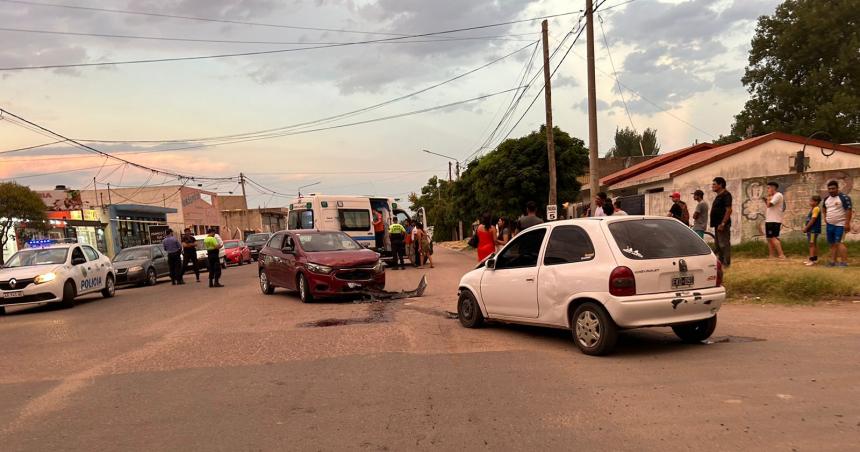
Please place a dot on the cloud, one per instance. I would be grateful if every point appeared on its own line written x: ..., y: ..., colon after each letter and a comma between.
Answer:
x: 565, y: 81
x: 601, y: 105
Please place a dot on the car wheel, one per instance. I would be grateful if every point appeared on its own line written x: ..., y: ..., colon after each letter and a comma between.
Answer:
x: 304, y: 290
x: 240, y: 262
x: 68, y: 295
x: 468, y: 310
x: 110, y: 287
x: 2, y: 310
x: 151, y: 277
x: 265, y: 285
x: 594, y: 332
x: 696, y: 332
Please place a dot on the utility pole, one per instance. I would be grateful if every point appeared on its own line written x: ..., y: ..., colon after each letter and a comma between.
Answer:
x: 242, y: 183
x: 449, y: 171
x: 594, y: 176
x: 458, y: 169
x: 95, y: 192
x: 550, y: 138
x: 108, y: 188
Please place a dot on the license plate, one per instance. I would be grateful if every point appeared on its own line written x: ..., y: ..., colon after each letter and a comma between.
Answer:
x: 682, y: 281
x: 353, y: 285
x: 15, y: 294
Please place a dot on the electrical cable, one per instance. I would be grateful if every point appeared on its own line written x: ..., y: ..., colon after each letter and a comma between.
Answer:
x: 32, y: 147
x: 270, y: 52
x: 618, y: 82
x: 326, y: 119
x: 92, y: 149
x: 230, y: 41
x: 59, y: 172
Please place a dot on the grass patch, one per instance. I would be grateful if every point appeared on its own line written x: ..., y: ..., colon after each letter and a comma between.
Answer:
x: 788, y: 281
x: 793, y: 247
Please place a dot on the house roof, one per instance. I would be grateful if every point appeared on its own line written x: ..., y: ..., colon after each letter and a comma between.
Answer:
x: 686, y: 160
x: 661, y: 159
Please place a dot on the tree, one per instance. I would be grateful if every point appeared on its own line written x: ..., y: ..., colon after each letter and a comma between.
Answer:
x: 19, y: 204
x: 627, y: 143
x: 436, y: 199
x: 804, y: 72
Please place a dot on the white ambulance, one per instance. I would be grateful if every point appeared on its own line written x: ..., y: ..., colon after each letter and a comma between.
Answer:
x: 55, y: 274
x: 350, y: 214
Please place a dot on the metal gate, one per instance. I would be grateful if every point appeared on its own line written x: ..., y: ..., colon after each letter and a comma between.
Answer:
x: 633, y: 205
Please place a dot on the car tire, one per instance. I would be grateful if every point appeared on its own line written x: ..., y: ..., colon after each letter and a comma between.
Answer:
x: 594, y: 331
x: 304, y: 289
x: 468, y: 311
x: 240, y: 262
x: 110, y: 287
x: 692, y: 333
x: 265, y: 286
x: 2, y: 310
x: 69, y: 294
x: 151, y: 277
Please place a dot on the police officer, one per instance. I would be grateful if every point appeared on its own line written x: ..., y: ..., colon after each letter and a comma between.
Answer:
x: 189, y: 253
x: 397, y: 233
x: 174, y: 257
x: 213, y: 245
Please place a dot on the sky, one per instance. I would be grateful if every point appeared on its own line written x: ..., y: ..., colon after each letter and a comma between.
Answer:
x: 679, y: 64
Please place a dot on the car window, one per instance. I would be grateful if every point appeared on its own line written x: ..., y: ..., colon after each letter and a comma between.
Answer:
x: 568, y: 244
x: 77, y: 254
x: 656, y: 239
x: 277, y: 241
x: 300, y: 219
x: 523, y: 250
x: 92, y: 254
x: 157, y: 252
x: 354, y: 219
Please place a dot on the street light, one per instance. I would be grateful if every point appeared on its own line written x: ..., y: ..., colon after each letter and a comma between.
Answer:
x: 449, y: 163
x: 306, y: 186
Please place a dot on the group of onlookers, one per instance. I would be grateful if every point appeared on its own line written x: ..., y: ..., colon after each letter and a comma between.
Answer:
x: 492, y: 234
x: 408, y: 241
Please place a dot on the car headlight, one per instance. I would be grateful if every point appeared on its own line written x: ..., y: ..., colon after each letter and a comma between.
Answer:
x: 317, y: 268
x: 379, y: 267
x: 47, y: 277
x: 136, y: 268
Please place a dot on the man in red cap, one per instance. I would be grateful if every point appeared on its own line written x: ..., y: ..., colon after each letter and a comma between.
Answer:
x: 679, y: 209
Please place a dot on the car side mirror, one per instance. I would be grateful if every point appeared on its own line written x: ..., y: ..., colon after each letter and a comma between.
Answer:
x: 491, y: 264
x: 78, y: 260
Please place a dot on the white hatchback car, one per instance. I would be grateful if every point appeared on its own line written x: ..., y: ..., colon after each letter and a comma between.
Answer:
x: 55, y: 274
x: 595, y: 276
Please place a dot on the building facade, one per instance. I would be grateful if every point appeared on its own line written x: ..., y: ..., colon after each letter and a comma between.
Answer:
x: 747, y: 166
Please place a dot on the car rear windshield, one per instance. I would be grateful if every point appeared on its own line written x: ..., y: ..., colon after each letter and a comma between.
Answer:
x: 656, y: 239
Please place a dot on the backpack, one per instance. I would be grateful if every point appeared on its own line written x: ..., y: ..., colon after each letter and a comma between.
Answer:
x: 685, y: 214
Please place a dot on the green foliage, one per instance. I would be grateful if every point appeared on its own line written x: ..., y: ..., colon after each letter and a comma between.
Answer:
x: 19, y: 203
x: 503, y: 181
x: 727, y: 139
x: 804, y: 71
x: 627, y: 143
x: 789, y: 282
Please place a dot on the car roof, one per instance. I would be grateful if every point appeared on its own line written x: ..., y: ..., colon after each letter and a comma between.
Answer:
x: 52, y: 247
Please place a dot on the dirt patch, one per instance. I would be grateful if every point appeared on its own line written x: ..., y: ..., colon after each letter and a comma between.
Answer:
x: 378, y: 312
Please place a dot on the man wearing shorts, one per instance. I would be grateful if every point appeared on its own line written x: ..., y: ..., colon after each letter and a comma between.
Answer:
x: 837, y: 214
x: 773, y: 220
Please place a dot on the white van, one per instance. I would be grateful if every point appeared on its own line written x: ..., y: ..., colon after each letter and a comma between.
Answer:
x: 350, y: 214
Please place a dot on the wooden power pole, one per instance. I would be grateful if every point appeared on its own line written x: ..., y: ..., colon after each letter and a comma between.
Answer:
x: 242, y: 183
x: 550, y: 138
x: 594, y: 176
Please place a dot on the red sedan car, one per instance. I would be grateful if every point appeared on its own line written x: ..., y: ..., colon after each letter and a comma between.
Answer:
x: 318, y: 264
x: 236, y: 252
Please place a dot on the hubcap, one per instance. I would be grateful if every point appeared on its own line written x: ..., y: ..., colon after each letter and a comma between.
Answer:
x: 110, y: 286
x: 152, y: 277
x: 264, y: 283
x: 302, y: 287
x: 588, y: 329
x: 467, y: 309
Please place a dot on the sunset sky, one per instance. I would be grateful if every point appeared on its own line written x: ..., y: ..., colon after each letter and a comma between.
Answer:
x: 681, y: 62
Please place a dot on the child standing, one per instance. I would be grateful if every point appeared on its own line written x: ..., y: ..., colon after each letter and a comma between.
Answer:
x: 813, y: 229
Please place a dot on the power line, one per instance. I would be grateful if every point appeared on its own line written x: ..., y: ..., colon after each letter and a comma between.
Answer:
x: 32, y: 147
x: 193, y: 18
x: 614, y: 6
x: 326, y: 119
x: 44, y: 130
x: 276, y: 51
x: 615, y: 74
x: 61, y: 172
x: 231, y: 41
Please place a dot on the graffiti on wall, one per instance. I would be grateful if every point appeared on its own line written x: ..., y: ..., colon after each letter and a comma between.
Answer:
x: 797, y: 190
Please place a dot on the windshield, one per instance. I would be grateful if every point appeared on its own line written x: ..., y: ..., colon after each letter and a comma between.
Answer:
x: 657, y: 239
x: 27, y: 258
x: 229, y: 245
x: 256, y: 239
x: 331, y: 241
x: 132, y: 254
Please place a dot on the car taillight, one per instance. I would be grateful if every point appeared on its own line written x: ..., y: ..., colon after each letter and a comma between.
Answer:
x: 622, y: 283
x: 719, y: 273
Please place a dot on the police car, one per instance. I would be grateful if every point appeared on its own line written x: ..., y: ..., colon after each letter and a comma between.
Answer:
x: 55, y: 274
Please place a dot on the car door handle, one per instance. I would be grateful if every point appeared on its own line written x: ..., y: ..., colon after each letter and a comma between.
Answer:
x: 530, y: 280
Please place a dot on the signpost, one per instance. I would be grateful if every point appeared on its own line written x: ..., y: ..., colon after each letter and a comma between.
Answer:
x: 552, y: 213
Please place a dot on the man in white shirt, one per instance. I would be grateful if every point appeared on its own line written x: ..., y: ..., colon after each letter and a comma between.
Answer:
x: 773, y: 220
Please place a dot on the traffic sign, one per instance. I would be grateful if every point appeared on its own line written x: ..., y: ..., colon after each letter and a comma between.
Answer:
x: 552, y: 212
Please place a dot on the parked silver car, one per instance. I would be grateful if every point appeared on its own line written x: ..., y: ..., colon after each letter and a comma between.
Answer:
x: 141, y: 265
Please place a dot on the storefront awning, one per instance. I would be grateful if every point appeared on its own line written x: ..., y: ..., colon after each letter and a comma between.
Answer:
x: 140, y: 208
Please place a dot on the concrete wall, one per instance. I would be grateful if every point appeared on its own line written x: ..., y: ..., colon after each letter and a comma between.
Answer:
x: 747, y: 173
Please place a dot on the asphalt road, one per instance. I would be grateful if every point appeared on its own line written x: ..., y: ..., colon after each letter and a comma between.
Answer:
x: 191, y: 368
